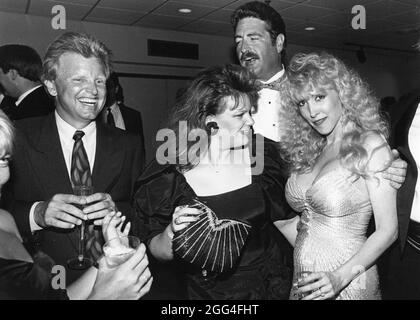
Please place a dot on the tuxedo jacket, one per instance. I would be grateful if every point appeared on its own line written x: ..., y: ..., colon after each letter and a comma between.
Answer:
x: 37, y: 103
x: 39, y: 172
x: 401, y: 116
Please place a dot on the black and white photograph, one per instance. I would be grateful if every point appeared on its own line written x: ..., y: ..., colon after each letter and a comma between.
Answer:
x: 207, y: 157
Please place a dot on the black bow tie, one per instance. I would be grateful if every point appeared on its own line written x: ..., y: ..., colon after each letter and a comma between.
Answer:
x: 274, y: 85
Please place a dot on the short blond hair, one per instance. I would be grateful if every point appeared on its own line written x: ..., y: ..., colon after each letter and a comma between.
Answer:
x: 80, y: 43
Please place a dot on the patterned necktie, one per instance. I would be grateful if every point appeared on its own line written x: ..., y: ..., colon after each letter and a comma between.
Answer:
x: 110, y: 118
x: 81, y: 176
x: 274, y: 85
x: 80, y: 169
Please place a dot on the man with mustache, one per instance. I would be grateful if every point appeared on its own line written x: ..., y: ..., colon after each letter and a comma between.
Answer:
x: 260, y: 38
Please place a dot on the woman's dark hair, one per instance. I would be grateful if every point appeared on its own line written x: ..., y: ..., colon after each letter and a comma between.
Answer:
x: 203, y: 97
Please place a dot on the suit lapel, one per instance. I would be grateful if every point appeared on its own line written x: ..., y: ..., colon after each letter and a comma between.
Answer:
x: 51, y: 160
x: 108, y: 160
x: 130, y: 122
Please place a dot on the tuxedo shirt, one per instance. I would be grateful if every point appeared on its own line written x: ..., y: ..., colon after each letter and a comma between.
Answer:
x: 116, y: 113
x: 268, y: 116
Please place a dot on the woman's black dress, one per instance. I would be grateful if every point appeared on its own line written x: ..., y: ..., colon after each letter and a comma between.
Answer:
x: 263, y: 270
x: 20, y: 280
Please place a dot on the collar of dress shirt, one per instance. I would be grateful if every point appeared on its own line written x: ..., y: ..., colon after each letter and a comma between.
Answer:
x: 67, y: 131
x: 25, y: 94
x: 113, y: 107
x: 278, y: 75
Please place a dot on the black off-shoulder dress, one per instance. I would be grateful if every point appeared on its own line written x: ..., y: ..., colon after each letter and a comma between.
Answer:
x: 262, y: 270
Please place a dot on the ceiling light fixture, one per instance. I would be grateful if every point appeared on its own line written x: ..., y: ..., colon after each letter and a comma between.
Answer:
x: 310, y: 28
x: 185, y: 10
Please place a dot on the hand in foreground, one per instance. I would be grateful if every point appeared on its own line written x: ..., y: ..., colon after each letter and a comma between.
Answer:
x: 396, y: 172
x: 60, y: 211
x: 112, y: 226
x: 129, y: 281
x: 318, y: 286
x: 182, y: 217
x: 98, y: 206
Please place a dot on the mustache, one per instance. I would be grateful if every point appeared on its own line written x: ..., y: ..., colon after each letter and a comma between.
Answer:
x: 249, y: 54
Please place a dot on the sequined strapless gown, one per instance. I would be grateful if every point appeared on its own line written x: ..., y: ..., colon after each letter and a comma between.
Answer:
x: 334, y: 221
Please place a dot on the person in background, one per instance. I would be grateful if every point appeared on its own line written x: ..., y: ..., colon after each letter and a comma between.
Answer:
x: 25, y: 277
x: 20, y: 73
x: 6, y: 102
x: 117, y: 114
x: 400, y: 276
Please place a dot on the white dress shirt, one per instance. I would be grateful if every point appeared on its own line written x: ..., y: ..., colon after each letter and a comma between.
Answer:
x: 25, y: 94
x: 66, y: 132
x: 414, y: 145
x: 118, y: 118
x: 267, y: 118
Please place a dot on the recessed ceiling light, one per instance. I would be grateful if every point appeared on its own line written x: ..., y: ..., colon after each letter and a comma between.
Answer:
x: 310, y: 28
x: 184, y: 10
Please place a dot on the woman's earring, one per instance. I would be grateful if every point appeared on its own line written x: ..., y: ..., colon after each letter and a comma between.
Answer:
x: 212, y: 127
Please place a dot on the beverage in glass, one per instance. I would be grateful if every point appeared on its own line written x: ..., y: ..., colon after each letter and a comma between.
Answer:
x: 120, y: 249
x: 81, y: 262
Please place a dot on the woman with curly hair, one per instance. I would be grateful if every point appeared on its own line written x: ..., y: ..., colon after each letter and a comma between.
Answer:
x: 337, y: 149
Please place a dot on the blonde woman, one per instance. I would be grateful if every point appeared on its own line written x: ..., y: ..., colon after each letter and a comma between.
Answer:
x: 337, y: 149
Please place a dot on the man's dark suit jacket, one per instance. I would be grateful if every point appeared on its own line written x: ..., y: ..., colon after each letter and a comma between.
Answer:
x: 133, y: 123
x: 38, y: 172
x: 37, y: 103
x: 7, y: 105
x: 401, y: 116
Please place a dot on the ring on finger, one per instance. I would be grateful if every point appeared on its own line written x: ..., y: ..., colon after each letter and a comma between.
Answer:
x: 321, y: 293
x: 177, y: 220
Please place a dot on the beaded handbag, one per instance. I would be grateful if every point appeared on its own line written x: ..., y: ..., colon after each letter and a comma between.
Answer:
x: 210, y: 243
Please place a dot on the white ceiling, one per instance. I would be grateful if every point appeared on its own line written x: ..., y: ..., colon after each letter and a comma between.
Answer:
x: 390, y: 23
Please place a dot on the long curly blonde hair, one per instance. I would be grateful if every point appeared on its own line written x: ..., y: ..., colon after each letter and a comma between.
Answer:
x: 301, y: 144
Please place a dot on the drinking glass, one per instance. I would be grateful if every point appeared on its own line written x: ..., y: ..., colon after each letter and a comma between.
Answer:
x: 300, y: 275
x: 120, y: 249
x: 81, y: 262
